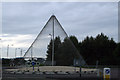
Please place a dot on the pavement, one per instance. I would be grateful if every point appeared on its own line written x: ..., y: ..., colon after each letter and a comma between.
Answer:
x: 55, y: 73
x: 44, y: 76
x: 47, y: 73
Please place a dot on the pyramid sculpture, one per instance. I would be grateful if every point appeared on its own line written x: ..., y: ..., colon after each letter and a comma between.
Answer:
x: 48, y: 34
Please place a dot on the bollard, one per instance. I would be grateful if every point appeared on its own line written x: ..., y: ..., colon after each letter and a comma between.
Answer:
x: 80, y: 71
x: 106, y: 73
x: 98, y: 73
x: 33, y: 63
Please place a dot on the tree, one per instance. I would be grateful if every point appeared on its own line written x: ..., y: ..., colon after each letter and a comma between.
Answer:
x: 67, y: 53
x: 64, y: 52
x: 57, y: 43
x: 74, y: 41
x: 116, y: 54
x: 49, y: 52
x: 99, y: 48
x: 86, y: 48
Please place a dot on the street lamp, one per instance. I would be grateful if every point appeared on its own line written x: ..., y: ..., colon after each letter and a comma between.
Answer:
x: 16, y: 52
x: 21, y: 52
x: 52, y: 38
x: 8, y: 49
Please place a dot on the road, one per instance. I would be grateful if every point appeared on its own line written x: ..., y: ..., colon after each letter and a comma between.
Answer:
x: 10, y: 76
x: 46, y: 77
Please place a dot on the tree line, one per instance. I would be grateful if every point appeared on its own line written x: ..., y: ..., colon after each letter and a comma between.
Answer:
x: 100, y: 48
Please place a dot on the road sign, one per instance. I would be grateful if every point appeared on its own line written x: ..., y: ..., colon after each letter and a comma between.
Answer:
x: 33, y: 63
x: 107, y: 71
x: 106, y: 74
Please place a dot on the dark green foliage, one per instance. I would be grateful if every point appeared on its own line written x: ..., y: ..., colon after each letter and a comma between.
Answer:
x: 49, y: 52
x: 100, y: 48
x: 13, y: 62
x: 57, y: 43
x: 74, y: 41
x: 116, y: 54
x: 64, y: 52
x: 5, y: 62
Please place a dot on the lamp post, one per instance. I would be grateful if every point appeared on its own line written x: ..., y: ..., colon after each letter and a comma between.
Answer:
x: 15, y: 52
x: 21, y: 52
x: 52, y: 38
x: 8, y: 49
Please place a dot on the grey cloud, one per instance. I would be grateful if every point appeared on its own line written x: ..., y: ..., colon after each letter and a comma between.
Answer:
x: 29, y: 18
x: 80, y: 19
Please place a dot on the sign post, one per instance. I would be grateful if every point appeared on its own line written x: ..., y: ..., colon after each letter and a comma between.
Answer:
x: 106, y: 75
x: 38, y: 66
x: 33, y: 63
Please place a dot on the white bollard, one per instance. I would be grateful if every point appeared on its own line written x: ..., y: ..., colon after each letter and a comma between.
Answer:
x: 98, y: 73
x: 106, y: 73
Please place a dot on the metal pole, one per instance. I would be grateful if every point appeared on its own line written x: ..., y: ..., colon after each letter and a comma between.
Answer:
x: 80, y: 68
x: 21, y: 52
x: 7, y: 50
x: 15, y: 52
x: 53, y: 44
x: 97, y: 64
x: 80, y: 71
x: 31, y: 53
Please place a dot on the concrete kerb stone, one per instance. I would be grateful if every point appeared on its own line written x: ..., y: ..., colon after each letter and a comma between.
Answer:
x: 41, y: 72
x: 62, y: 72
x: 12, y: 72
x: 73, y: 72
x: 50, y: 72
x: 19, y: 72
x: 46, y: 72
x: 28, y: 72
x: 37, y: 72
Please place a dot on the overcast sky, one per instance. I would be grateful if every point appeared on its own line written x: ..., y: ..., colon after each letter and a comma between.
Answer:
x: 22, y: 22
